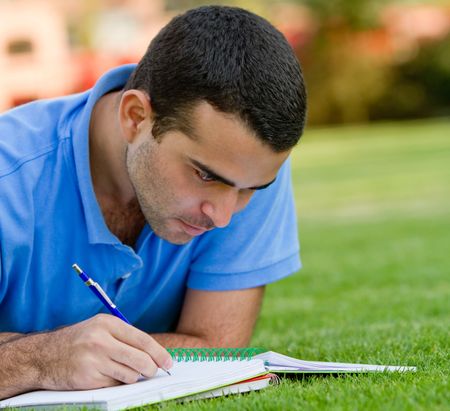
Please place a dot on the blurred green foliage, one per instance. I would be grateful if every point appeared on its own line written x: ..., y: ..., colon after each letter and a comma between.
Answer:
x: 418, y: 87
x: 349, y: 84
x: 345, y: 87
x: 342, y: 86
x: 358, y: 14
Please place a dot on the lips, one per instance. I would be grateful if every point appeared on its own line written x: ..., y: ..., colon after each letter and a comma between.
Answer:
x: 191, y: 229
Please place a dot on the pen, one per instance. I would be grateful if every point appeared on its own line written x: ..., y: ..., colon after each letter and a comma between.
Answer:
x: 102, y: 296
x: 100, y: 293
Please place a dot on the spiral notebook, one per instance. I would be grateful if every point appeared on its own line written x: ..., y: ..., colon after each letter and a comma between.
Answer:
x: 279, y: 363
x: 197, y: 373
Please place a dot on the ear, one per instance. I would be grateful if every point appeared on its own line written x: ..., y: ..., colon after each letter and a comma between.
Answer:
x: 135, y: 113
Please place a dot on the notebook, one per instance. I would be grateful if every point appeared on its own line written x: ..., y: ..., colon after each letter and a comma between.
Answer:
x: 197, y: 373
x: 279, y: 363
x: 205, y: 378
x: 253, y: 384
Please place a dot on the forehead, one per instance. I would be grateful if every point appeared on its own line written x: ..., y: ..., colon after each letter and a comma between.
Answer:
x: 226, y: 144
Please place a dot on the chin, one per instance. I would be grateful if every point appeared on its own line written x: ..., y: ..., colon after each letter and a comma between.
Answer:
x: 177, y: 238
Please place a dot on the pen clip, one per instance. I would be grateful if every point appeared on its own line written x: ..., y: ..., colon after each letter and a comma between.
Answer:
x: 104, y: 295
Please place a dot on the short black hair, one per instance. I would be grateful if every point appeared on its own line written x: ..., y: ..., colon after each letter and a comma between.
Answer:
x: 234, y: 60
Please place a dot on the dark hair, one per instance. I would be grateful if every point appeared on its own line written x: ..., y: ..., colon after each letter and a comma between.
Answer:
x: 231, y: 58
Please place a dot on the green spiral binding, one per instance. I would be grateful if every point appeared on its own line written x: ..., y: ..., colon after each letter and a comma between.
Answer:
x: 214, y: 354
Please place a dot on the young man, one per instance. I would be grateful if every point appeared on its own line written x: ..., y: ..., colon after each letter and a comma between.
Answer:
x: 169, y: 184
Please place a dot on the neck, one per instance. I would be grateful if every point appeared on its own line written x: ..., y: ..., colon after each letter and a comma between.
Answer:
x: 107, y: 152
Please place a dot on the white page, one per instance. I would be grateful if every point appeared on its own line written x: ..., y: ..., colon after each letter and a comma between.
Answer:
x: 279, y: 362
x: 187, y: 378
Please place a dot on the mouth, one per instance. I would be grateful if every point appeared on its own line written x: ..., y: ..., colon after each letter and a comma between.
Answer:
x: 192, y: 230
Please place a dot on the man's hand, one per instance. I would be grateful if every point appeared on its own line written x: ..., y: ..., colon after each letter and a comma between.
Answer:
x: 99, y: 352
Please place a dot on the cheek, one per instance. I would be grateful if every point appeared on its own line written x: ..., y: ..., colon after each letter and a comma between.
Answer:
x: 187, y: 194
x: 243, y: 200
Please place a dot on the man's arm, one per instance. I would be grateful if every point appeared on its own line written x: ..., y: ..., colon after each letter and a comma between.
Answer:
x: 5, y: 337
x: 215, y: 319
x: 99, y: 352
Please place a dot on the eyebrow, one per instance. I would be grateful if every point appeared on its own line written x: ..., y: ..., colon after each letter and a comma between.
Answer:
x: 224, y: 180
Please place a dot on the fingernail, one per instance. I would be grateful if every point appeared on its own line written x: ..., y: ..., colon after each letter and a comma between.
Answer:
x: 167, y: 364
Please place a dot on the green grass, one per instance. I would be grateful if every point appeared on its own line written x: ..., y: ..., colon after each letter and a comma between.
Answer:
x: 374, y: 220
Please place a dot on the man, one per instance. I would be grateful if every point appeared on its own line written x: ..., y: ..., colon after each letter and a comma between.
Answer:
x: 168, y: 183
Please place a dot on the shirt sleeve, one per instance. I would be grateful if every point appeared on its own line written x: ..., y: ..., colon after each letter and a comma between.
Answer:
x: 259, y: 246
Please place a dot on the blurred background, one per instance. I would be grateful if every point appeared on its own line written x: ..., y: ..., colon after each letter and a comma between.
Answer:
x: 363, y: 60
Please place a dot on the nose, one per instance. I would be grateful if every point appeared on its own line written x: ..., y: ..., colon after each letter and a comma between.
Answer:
x: 221, y: 208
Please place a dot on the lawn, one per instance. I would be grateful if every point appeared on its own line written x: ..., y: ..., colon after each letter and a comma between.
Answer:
x: 374, y: 222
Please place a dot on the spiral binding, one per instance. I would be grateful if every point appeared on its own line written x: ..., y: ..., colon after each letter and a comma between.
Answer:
x: 214, y: 354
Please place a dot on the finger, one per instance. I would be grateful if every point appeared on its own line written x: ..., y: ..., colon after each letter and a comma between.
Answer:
x: 104, y: 381
x: 136, y: 338
x: 117, y: 373
x: 134, y: 358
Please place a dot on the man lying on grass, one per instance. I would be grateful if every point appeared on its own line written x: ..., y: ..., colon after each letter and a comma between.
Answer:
x: 169, y: 183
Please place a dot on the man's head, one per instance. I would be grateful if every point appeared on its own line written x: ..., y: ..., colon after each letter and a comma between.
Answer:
x: 210, y: 115
x: 234, y: 60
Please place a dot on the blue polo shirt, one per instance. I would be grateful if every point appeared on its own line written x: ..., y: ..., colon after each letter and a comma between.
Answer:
x: 50, y: 219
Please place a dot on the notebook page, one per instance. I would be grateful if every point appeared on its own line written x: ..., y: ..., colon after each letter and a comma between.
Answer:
x: 187, y: 378
x: 279, y: 362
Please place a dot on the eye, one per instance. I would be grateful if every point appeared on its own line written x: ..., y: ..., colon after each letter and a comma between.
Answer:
x: 204, y: 176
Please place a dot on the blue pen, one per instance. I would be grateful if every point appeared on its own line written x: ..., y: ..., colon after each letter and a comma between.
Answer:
x: 100, y: 293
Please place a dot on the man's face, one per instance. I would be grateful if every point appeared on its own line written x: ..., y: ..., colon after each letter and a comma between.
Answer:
x: 187, y: 185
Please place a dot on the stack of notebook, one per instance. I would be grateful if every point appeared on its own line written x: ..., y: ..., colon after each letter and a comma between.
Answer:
x: 197, y: 373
